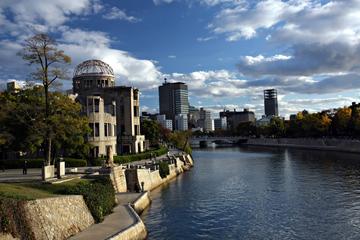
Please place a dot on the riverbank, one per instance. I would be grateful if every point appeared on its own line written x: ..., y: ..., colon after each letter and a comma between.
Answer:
x: 60, y: 221
x: 340, y: 145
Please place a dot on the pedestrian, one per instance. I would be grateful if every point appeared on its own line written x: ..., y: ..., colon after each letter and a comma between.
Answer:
x: 25, y: 168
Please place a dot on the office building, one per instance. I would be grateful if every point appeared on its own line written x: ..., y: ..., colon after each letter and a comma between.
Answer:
x: 113, y: 111
x: 220, y: 123
x: 271, y: 103
x: 173, y: 101
x: 234, y: 118
x: 166, y: 123
x: 205, y: 121
x: 181, y: 122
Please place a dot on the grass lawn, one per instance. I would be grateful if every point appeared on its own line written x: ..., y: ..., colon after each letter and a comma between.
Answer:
x: 31, y: 191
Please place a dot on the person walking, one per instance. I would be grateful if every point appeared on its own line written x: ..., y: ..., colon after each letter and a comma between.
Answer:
x: 25, y: 168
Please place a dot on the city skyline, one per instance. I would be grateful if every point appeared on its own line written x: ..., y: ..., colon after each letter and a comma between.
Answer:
x: 226, y: 51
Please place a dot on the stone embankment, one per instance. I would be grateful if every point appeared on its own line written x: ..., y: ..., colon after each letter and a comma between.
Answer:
x: 61, y: 217
x: 343, y: 145
x: 50, y: 218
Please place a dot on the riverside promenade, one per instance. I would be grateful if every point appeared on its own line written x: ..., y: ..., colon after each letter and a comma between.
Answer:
x: 114, y: 224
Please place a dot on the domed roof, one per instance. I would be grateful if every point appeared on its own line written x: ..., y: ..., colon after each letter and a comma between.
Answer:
x: 93, y: 67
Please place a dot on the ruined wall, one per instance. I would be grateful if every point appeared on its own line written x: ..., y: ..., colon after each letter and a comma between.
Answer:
x: 118, y: 179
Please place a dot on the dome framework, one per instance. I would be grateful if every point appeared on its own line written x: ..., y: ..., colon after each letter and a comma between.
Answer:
x: 93, y: 67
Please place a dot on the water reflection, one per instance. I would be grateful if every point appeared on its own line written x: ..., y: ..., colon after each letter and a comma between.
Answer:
x: 260, y: 193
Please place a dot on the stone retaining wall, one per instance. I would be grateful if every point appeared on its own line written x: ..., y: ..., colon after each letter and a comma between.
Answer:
x: 136, y: 231
x: 54, y: 218
x: 310, y: 143
x: 59, y: 217
x: 140, y: 204
x: 152, y: 179
x: 118, y: 179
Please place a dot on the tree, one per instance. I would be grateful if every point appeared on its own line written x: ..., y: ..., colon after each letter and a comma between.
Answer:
x: 341, y: 123
x: 40, y: 50
x: 277, y: 127
x: 181, y: 140
x: 25, y: 122
x: 151, y: 130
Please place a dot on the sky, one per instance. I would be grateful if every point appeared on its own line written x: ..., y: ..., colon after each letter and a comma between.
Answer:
x: 226, y: 51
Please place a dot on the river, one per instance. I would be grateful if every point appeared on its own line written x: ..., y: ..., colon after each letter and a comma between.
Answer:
x: 260, y: 193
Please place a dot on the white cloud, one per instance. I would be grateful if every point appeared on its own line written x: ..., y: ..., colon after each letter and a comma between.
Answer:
x: 204, y: 39
x: 249, y: 60
x: 83, y: 45
x: 116, y: 13
x: 29, y: 15
x: 172, y: 56
x: 158, y: 2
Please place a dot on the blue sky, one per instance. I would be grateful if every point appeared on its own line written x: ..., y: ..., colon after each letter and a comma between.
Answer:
x: 227, y: 51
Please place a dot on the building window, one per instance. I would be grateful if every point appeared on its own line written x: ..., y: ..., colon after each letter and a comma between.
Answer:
x: 97, y: 103
x: 114, y: 110
x: 97, y: 130
x: 136, y: 111
x: 90, y: 105
x: 115, y: 131
x: 136, y: 95
x: 122, y: 130
x: 137, y: 129
x: 91, y: 126
x: 110, y: 129
x: 96, y: 152
x: 106, y: 129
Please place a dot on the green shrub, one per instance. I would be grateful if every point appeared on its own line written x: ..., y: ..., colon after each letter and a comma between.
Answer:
x: 74, y: 162
x: 123, y: 159
x: 164, y: 169
x: 97, y: 161
x: 99, y: 196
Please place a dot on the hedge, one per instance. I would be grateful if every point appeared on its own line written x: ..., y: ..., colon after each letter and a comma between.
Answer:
x: 123, y: 159
x: 140, y: 156
x: 99, y: 196
x: 38, y: 163
x: 164, y: 169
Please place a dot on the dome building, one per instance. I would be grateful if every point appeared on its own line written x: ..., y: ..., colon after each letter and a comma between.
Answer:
x: 113, y: 111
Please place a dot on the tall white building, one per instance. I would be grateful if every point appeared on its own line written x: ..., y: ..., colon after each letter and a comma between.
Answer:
x: 181, y: 122
x: 205, y: 121
x: 166, y: 123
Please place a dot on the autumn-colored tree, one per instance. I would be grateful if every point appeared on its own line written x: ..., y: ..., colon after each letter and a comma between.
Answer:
x: 41, y: 51
x: 341, y: 121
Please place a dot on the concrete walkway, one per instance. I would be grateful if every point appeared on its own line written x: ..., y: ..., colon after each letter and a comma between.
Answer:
x: 120, y: 219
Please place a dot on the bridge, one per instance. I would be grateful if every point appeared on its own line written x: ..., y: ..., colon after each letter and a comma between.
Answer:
x: 204, y: 141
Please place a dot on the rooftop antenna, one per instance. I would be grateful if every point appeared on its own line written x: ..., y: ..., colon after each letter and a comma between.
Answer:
x: 165, y: 80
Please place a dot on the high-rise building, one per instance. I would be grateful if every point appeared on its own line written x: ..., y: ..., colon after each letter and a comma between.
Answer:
x: 270, y: 102
x: 205, y: 121
x: 181, y: 122
x: 173, y: 101
x: 166, y: 123
x: 113, y: 111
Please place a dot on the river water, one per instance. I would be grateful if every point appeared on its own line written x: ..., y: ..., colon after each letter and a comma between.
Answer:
x: 260, y: 193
